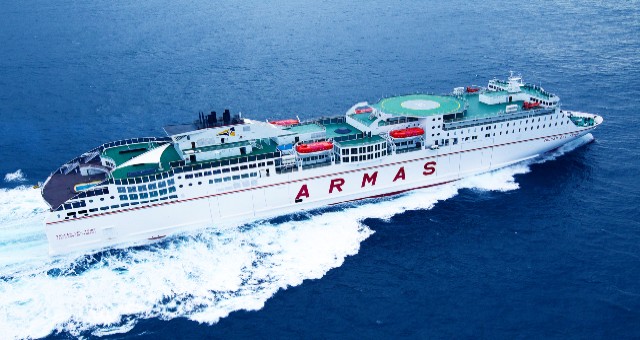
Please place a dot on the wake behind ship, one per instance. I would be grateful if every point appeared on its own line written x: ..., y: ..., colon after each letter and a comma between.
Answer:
x: 220, y: 171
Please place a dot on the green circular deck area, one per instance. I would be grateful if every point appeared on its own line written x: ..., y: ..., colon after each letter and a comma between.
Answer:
x: 419, y: 105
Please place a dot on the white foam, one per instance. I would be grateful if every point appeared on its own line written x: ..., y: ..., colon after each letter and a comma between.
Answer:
x: 16, y: 176
x: 201, y: 276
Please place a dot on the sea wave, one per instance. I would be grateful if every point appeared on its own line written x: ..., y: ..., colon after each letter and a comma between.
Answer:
x: 202, y: 276
x: 16, y: 176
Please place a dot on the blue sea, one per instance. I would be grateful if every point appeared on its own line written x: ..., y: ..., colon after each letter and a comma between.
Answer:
x: 544, y: 249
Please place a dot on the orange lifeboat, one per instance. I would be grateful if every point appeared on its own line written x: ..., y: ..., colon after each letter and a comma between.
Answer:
x: 314, y: 147
x: 530, y: 105
x: 285, y: 122
x: 406, y: 133
x: 472, y: 89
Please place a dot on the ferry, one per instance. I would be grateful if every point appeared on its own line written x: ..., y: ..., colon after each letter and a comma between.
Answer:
x: 221, y: 171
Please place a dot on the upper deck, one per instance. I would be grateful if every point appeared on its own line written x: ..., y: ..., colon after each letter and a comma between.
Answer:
x: 420, y: 105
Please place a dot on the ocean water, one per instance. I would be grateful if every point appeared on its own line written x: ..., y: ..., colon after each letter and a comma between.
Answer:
x: 544, y: 249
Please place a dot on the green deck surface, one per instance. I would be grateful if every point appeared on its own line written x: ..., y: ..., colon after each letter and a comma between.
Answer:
x: 118, y: 158
x: 220, y: 146
x: 362, y: 141
x: 394, y: 105
x: 477, y: 109
x: 261, y: 147
x: 364, y: 118
x: 305, y: 128
x: 169, y: 155
x: 331, y: 130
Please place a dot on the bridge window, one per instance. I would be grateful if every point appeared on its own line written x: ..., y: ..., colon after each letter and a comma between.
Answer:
x: 123, y: 197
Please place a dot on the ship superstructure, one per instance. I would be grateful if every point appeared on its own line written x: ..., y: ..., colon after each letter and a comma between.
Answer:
x: 222, y: 170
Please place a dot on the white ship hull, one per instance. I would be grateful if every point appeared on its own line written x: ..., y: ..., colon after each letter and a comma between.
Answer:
x: 219, y: 205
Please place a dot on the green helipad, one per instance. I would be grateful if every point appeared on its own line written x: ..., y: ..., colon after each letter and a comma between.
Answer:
x: 419, y: 105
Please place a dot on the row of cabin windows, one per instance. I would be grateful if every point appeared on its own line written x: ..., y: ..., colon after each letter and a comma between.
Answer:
x: 512, y: 131
x: 543, y: 102
x: 150, y: 194
x: 226, y: 179
x: 366, y: 157
x: 73, y: 214
x: 145, y: 187
x: 226, y: 170
x: 315, y: 158
x: 232, y: 178
x: 364, y: 149
x: 94, y: 192
x: 144, y: 179
x: 495, y: 126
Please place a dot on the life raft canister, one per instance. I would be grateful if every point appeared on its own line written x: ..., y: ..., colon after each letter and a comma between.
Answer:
x: 406, y: 133
x: 285, y: 122
x: 314, y: 147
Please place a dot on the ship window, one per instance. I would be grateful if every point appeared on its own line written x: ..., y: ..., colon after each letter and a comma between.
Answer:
x: 235, y: 168
x: 171, y: 182
x: 345, y: 159
x: 127, y: 204
x: 253, y: 174
x: 259, y: 164
x: 73, y: 213
x: 216, y: 172
x: 354, y: 158
x: 270, y: 163
x: 354, y: 150
x: 144, y: 195
x: 199, y: 174
x: 384, y: 152
x: 153, y: 194
x: 190, y: 184
x: 188, y: 176
x: 104, y: 208
x: 217, y: 180
x: 362, y: 157
x: 244, y: 167
x: 369, y: 156
x: 362, y: 149
x: 369, y: 148
x: 117, y: 206
x: 122, y: 189
x: 210, y: 181
x: 152, y: 186
x: 142, y: 188
x: 245, y: 176
x: 252, y: 166
x: 131, y: 189
x: 93, y: 209
x: 236, y: 177
x: 163, y: 191
x: 133, y: 196
x: 227, y: 179
x: 345, y: 151
x: 172, y: 189
x: 123, y: 197
x: 75, y: 204
x: 225, y: 170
